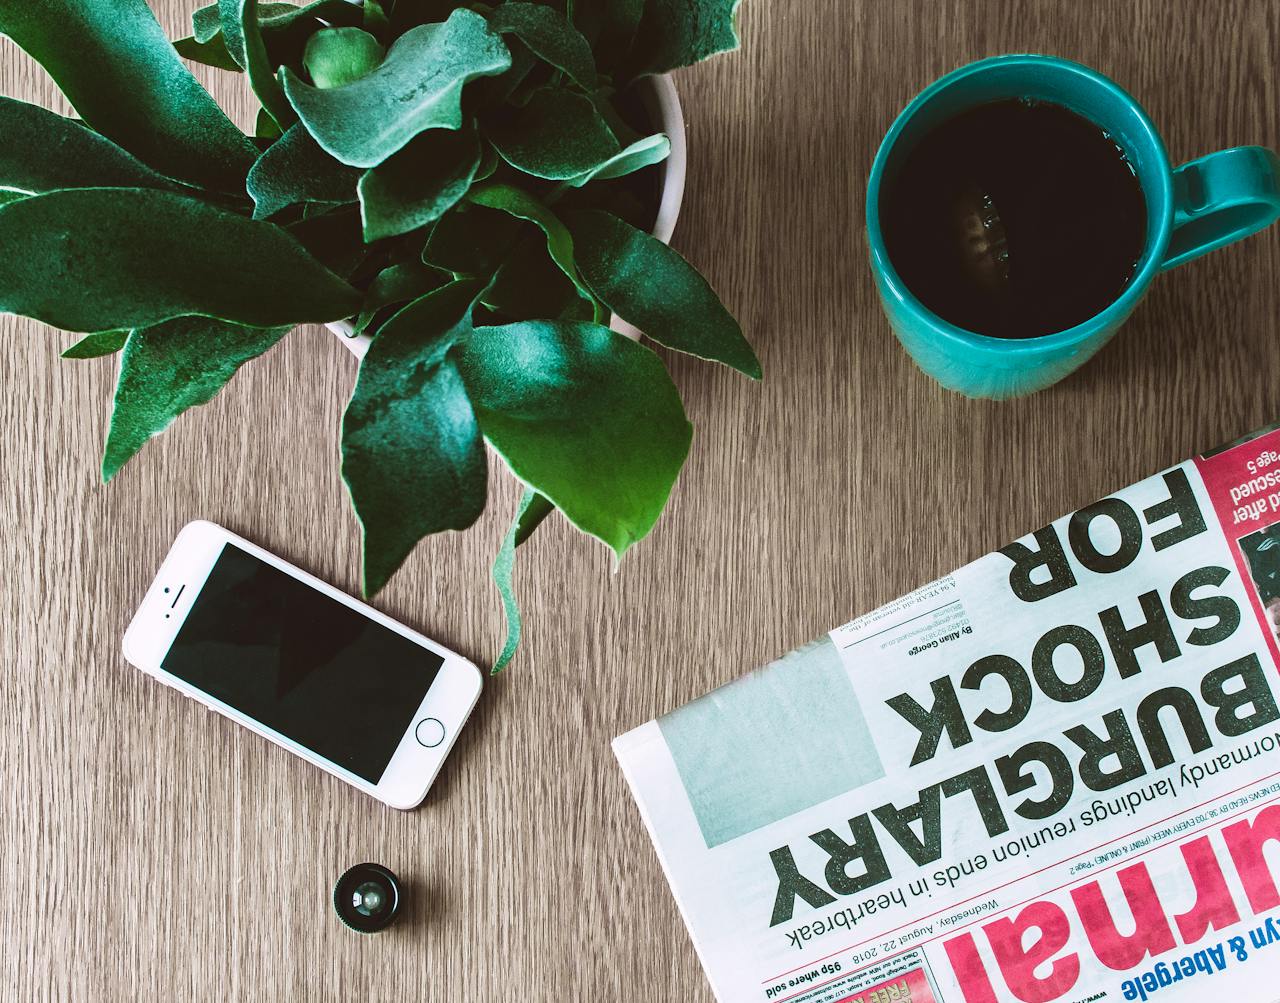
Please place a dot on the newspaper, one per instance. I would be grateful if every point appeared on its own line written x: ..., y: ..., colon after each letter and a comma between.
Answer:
x: 1052, y: 775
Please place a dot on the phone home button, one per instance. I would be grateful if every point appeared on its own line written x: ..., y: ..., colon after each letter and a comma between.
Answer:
x: 429, y: 732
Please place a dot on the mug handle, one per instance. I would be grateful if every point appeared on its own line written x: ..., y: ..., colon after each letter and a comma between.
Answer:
x: 1222, y: 198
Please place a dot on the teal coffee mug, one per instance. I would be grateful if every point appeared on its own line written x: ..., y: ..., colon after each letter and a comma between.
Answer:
x: 1201, y: 205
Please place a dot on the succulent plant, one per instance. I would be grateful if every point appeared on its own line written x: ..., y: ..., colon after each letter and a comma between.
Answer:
x: 471, y: 186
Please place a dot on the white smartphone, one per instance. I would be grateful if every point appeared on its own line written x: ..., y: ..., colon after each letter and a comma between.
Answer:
x: 302, y: 664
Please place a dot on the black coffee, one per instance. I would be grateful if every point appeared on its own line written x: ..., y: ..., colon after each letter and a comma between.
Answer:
x: 1015, y: 219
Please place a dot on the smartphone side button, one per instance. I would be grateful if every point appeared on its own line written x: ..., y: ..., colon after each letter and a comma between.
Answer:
x: 429, y: 732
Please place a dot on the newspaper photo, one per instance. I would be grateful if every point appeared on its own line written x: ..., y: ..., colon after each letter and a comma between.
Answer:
x: 1053, y: 775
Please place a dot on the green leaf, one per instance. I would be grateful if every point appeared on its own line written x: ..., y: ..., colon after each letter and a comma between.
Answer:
x: 417, y: 87
x: 419, y: 184
x: 548, y: 33
x: 610, y: 26
x: 493, y: 92
x: 489, y: 162
x: 266, y: 127
x: 649, y: 285
x: 93, y: 346
x: 584, y: 416
x: 530, y: 516
x: 116, y: 67
x: 397, y: 284
x: 332, y: 237
x: 211, y: 53
x: 622, y: 21
x: 641, y: 154
x: 676, y: 33
x: 375, y: 19
x: 532, y: 510
x: 44, y: 152
x: 522, y: 205
x: 243, y: 36
x: 285, y: 28
x: 472, y: 241
x: 529, y: 286
x: 294, y: 169
x: 170, y: 367
x: 206, y: 23
x: 412, y: 457
x: 278, y: 18
x: 95, y: 259
x: 557, y: 135
x: 336, y: 57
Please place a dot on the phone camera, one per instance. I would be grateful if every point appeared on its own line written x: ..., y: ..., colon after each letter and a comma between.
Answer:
x: 367, y: 898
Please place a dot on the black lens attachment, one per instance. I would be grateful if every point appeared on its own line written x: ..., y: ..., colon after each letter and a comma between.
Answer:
x: 367, y: 898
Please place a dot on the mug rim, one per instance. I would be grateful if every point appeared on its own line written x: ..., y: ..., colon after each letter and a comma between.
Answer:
x: 1160, y: 202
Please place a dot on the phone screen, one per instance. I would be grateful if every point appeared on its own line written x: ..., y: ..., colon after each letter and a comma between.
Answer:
x: 301, y: 663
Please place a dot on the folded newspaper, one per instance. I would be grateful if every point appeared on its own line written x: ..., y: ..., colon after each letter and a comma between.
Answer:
x: 1052, y: 775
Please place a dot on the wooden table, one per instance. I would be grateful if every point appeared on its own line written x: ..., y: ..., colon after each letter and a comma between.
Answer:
x: 152, y: 849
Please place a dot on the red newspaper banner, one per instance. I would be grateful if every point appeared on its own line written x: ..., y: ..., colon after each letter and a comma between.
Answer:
x: 1243, y: 480
x: 909, y: 987
x: 1040, y: 956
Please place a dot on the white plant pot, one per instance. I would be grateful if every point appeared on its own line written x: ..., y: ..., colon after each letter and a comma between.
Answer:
x: 663, y: 103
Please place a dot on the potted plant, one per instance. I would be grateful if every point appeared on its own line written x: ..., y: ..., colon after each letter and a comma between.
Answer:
x: 467, y: 190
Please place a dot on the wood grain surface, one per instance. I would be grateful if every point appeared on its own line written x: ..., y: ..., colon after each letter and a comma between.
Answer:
x: 153, y: 850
